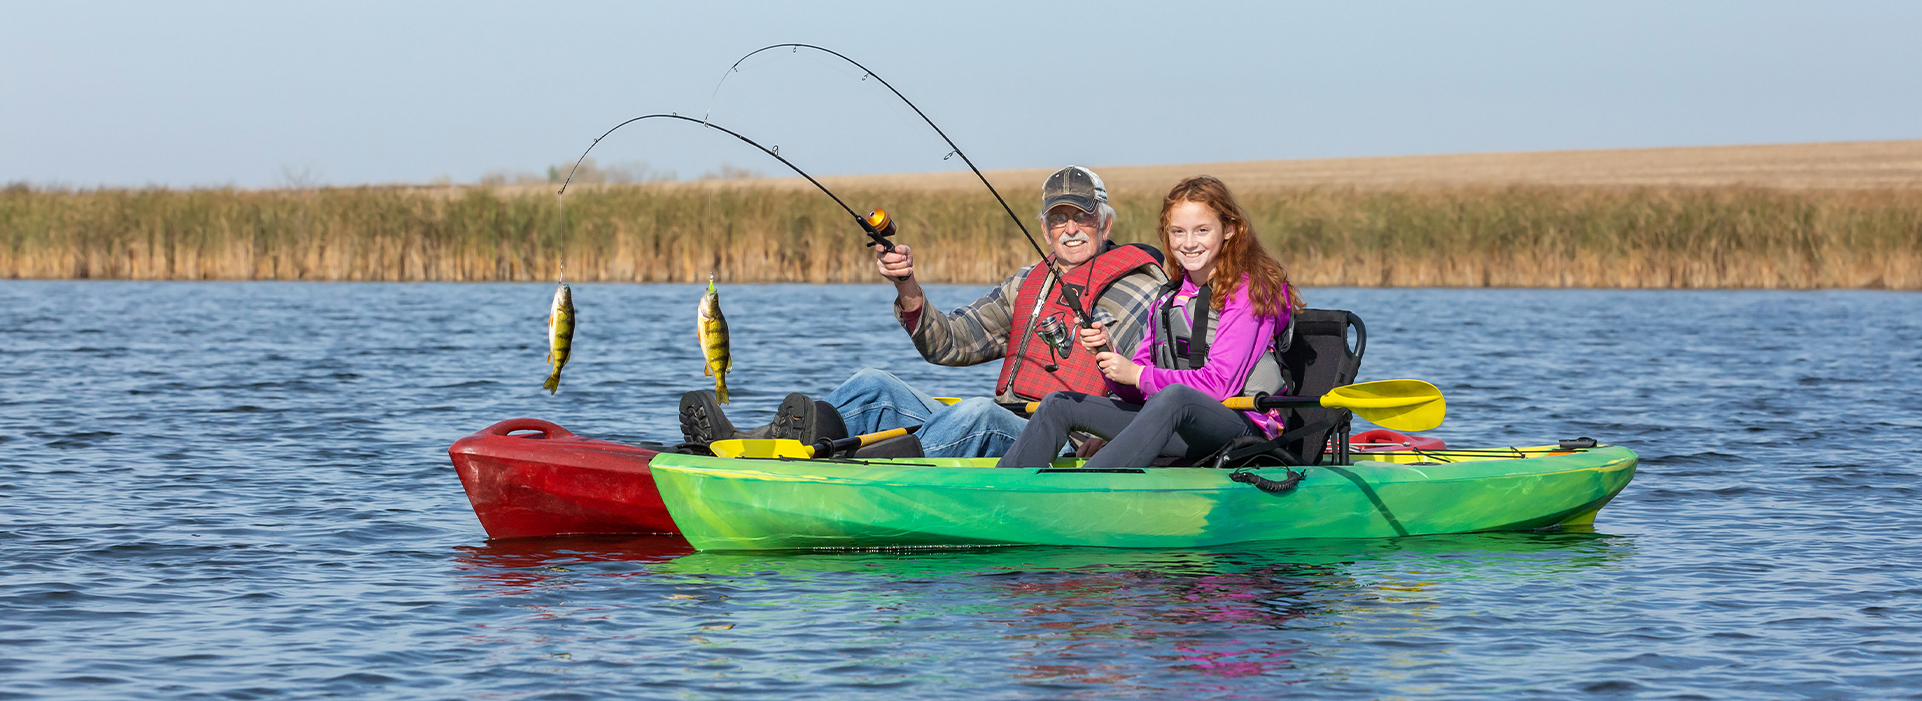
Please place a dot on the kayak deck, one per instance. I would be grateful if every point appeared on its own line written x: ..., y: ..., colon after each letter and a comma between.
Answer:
x: 776, y: 504
x: 531, y: 478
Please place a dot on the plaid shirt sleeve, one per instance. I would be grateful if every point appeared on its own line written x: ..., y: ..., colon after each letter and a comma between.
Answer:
x: 971, y: 335
x: 1129, y: 300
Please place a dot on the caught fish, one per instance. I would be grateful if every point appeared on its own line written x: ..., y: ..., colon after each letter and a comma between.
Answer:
x: 560, y: 335
x: 712, y: 329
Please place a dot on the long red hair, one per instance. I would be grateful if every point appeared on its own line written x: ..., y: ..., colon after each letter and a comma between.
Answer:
x: 1241, y: 255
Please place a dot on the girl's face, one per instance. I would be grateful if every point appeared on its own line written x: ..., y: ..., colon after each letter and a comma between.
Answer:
x: 1196, y: 235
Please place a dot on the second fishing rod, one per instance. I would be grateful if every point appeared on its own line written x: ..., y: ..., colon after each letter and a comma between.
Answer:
x: 877, y: 224
x: 1070, y: 296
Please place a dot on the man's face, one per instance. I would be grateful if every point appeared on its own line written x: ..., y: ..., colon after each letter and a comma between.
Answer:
x: 1075, y: 236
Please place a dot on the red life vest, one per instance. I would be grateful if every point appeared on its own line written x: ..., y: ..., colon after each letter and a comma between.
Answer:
x: 1025, y: 367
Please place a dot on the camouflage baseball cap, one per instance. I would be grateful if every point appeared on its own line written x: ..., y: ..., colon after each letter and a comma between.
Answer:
x: 1074, y: 185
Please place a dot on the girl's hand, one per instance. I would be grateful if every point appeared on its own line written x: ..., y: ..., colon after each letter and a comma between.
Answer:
x: 1119, y: 369
x: 1093, y: 338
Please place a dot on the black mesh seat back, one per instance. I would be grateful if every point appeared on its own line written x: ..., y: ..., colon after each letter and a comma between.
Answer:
x: 1319, y: 360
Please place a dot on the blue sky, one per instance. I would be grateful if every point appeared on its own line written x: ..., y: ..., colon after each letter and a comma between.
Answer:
x: 253, y: 94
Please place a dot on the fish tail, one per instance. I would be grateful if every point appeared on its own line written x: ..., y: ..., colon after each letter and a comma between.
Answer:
x: 553, y: 382
x: 720, y: 388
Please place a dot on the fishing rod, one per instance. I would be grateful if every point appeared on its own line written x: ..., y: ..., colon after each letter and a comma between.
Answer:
x: 877, y: 224
x: 1068, y: 292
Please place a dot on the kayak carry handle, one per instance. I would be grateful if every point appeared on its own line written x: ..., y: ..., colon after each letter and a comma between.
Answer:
x: 548, y: 429
x: 1281, y: 486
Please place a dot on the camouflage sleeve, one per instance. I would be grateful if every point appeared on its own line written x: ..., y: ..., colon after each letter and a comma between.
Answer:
x: 971, y: 335
x: 1129, y: 300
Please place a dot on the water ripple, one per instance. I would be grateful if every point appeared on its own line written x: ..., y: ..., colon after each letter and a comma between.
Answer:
x: 242, y: 491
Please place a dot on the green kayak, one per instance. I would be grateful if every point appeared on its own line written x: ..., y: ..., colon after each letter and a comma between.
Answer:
x: 780, y: 504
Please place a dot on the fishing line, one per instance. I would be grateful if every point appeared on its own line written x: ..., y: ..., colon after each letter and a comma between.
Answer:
x: 874, y: 226
x: 1068, y: 292
x: 560, y: 222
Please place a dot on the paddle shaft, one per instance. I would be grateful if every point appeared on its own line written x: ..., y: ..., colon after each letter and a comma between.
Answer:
x: 830, y: 447
x: 1242, y: 403
x: 1402, y: 405
x: 1263, y: 402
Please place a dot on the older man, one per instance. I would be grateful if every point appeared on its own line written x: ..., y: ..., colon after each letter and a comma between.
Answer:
x: 1007, y: 323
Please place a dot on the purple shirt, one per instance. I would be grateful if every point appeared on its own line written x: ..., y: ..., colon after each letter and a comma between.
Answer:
x: 1240, y: 339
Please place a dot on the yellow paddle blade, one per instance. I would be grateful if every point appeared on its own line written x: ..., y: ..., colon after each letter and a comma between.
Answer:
x: 761, y: 448
x: 950, y: 401
x: 1401, y: 405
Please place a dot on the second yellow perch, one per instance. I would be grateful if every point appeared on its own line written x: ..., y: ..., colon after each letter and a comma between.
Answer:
x: 560, y: 335
x: 712, y: 329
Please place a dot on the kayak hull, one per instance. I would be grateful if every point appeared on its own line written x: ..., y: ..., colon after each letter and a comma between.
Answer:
x: 530, y: 478
x: 743, y: 504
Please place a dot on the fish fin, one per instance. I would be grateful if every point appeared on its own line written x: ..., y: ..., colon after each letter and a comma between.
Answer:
x: 707, y: 369
x: 720, y: 389
x: 552, y: 384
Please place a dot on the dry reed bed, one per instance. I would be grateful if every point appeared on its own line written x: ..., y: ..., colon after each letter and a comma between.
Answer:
x: 1464, y: 236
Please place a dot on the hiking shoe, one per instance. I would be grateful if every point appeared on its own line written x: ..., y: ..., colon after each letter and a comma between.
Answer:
x: 804, y: 419
x: 702, y: 421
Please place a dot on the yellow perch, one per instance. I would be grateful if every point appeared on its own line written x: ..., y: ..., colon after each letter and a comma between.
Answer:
x: 712, y: 329
x: 560, y: 335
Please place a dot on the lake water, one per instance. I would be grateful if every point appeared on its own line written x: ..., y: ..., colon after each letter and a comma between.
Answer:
x: 241, y: 490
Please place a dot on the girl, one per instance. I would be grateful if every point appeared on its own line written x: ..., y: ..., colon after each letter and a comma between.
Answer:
x: 1212, y: 336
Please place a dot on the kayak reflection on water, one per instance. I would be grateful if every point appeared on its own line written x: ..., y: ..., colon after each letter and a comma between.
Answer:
x: 1108, y: 617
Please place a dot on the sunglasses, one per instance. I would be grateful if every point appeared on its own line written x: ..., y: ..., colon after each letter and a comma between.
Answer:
x: 1057, y: 220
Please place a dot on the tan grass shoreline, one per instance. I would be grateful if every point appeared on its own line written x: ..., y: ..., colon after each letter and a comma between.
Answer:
x: 1794, y: 231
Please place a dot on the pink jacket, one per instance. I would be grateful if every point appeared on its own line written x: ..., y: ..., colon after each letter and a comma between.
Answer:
x: 1240, y: 339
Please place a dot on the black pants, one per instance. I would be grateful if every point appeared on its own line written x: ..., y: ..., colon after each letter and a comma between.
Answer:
x: 1178, y: 421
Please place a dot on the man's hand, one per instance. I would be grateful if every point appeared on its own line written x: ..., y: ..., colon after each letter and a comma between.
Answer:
x: 897, y: 265
x: 1094, y: 337
x: 1119, y: 369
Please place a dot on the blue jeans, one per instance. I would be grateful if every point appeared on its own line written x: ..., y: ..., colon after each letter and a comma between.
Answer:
x: 1178, y: 421
x: 874, y: 400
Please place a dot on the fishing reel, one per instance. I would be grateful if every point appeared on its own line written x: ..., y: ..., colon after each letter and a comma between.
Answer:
x: 880, y: 227
x: 1060, y: 336
x: 1056, y: 335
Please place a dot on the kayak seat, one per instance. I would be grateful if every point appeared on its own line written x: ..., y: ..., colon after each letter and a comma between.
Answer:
x: 1320, y: 359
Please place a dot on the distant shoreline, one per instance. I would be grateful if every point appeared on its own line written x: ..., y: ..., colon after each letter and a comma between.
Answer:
x: 1831, y: 165
x: 1806, y: 216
